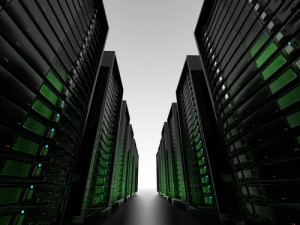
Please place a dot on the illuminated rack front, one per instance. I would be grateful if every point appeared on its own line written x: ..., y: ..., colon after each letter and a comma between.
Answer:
x: 207, y: 171
x: 116, y: 190
x: 90, y: 196
x: 199, y: 176
x: 177, y: 155
x: 252, y: 66
x: 44, y: 91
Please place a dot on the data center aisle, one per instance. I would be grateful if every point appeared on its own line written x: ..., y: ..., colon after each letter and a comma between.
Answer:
x: 148, y: 208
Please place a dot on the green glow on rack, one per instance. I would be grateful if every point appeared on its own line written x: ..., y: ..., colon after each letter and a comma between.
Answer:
x: 289, y: 98
x: 45, y: 150
x: 199, y: 145
x: 293, y: 119
x: 61, y: 70
x: 62, y: 104
x: 204, y: 179
x: 208, y: 200
x: 196, y: 130
x: 54, y: 81
x: 34, y: 126
x: 199, y: 154
x: 206, y: 189
x: 298, y: 139
x: 15, y: 168
x: 201, y: 162
x: 38, y: 171
x: 25, y: 145
x: 46, y: 91
x: 9, y: 195
x: 20, y: 220
x: 282, y: 80
x: 57, y: 117
x: 270, y: 49
x: 197, y: 139
x: 51, y: 133
x: 96, y: 200
x: 273, y: 66
x: 203, y: 170
x: 259, y: 43
x: 5, y: 220
x: 42, y: 109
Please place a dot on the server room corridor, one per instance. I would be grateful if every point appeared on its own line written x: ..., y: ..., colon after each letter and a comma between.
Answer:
x: 147, y: 207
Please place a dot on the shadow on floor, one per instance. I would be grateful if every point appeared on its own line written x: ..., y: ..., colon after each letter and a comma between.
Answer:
x: 149, y: 208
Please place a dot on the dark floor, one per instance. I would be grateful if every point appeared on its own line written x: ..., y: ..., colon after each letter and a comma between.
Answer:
x: 149, y: 208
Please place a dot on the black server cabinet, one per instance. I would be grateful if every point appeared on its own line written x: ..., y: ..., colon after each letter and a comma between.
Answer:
x: 180, y: 192
x: 93, y: 173
x: 208, y: 171
x: 128, y: 159
x: 117, y: 183
x: 252, y: 67
x: 50, y: 56
x: 169, y: 160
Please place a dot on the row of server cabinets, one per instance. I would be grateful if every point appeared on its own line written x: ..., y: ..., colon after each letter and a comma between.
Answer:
x: 106, y: 172
x: 249, y: 53
x: 237, y: 139
x: 54, y: 92
x: 191, y: 164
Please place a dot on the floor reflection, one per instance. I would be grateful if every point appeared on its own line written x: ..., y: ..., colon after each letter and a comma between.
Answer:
x: 148, y: 208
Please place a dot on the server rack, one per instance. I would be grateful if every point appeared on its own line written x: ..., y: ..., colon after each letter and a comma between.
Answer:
x: 160, y: 172
x: 169, y: 160
x: 134, y: 182
x: 127, y: 187
x: 94, y: 167
x: 165, y: 167
x: 158, y: 176
x: 119, y: 166
x: 250, y: 54
x: 162, y: 168
x: 208, y: 171
x: 131, y: 167
x: 177, y: 155
x: 166, y: 164
x: 50, y: 52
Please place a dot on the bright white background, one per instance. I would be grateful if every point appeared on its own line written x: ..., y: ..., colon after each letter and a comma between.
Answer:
x: 151, y: 39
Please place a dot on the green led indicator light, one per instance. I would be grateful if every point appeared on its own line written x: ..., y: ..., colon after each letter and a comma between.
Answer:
x: 23, y: 211
x: 51, y: 133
